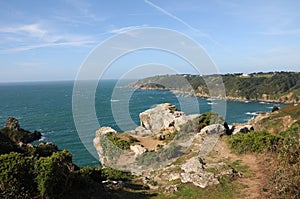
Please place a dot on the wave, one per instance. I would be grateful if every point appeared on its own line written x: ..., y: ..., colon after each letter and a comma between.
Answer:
x: 211, y: 99
x: 264, y: 102
x: 251, y: 113
x: 42, y: 138
x: 210, y: 103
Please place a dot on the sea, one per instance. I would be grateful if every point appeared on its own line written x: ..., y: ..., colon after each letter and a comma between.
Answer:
x: 47, y: 107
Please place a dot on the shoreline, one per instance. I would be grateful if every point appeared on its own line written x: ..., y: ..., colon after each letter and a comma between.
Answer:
x: 205, y: 96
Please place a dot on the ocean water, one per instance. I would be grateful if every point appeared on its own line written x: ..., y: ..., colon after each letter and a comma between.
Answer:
x: 47, y: 107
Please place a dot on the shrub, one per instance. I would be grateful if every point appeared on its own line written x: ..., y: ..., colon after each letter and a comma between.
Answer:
x: 257, y: 141
x: 113, y: 174
x: 122, y: 144
x: 93, y: 173
x: 16, y: 176
x: 53, y: 174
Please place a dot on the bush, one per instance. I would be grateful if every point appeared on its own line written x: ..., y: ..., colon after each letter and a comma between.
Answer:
x: 113, y: 174
x: 122, y: 144
x: 257, y: 141
x: 93, y: 173
x: 286, y: 174
x: 53, y: 174
x: 16, y: 176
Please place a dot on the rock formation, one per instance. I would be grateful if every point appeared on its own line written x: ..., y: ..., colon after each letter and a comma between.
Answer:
x: 163, y: 116
x: 167, y: 146
x: 17, y: 134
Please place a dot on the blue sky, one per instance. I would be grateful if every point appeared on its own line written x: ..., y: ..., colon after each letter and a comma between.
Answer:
x: 49, y: 40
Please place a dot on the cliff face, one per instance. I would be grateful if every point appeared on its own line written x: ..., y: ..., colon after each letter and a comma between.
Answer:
x: 168, y: 146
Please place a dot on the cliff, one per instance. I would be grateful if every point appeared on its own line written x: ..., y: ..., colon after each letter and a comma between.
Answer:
x: 274, y: 86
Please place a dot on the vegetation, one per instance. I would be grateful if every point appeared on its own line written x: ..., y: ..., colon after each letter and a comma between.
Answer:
x: 257, y: 141
x: 17, y: 176
x: 226, y: 189
x: 43, y: 171
x: 121, y: 143
x: 283, y: 149
x: 153, y: 86
x: 278, y: 86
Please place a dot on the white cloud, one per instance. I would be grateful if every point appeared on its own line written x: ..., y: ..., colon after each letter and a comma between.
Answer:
x: 31, y: 36
x: 32, y: 30
x: 125, y: 29
x: 43, y: 45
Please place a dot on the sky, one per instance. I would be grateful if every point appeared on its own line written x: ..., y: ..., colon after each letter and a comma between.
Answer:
x: 51, y: 40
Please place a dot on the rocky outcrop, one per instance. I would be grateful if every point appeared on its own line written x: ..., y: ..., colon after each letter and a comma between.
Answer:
x: 242, y: 129
x: 100, y: 143
x: 162, y: 127
x: 213, y: 129
x: 163, y: 116
x: 195, y: 172
x: 13, y: 131
x: 12, y: 124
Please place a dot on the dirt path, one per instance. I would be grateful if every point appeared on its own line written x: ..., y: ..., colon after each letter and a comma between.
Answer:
x: 256, y: 176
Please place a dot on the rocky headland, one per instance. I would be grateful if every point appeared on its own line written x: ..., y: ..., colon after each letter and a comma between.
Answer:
x: 240, y: 87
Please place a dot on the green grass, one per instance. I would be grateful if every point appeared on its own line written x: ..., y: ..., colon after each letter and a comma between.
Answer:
x: 225, y: 190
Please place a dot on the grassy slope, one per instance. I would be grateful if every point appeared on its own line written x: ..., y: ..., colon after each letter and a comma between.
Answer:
x: 279, y: 151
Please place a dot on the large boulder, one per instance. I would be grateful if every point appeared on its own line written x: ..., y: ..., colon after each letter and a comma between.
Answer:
x: 163, y: 116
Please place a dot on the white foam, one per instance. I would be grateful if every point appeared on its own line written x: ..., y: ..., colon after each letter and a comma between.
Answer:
x: 251, y: 113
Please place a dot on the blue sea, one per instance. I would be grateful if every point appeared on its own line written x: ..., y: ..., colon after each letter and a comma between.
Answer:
x: 47, y: 107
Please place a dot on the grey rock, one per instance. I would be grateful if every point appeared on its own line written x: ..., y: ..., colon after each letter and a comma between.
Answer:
x: 163, y: 116
x: 138, y: 149
x: 242, y: 129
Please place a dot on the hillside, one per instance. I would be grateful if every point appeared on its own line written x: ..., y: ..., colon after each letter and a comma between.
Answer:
x: 275, y: 86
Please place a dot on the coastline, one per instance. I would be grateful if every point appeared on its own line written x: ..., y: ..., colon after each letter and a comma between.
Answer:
x: 205, y: 96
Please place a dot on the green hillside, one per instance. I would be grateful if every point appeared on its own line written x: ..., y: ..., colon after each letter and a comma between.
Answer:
x: 273, y: 86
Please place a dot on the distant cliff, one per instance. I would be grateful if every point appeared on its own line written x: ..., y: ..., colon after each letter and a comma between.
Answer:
x: 274, y: 86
